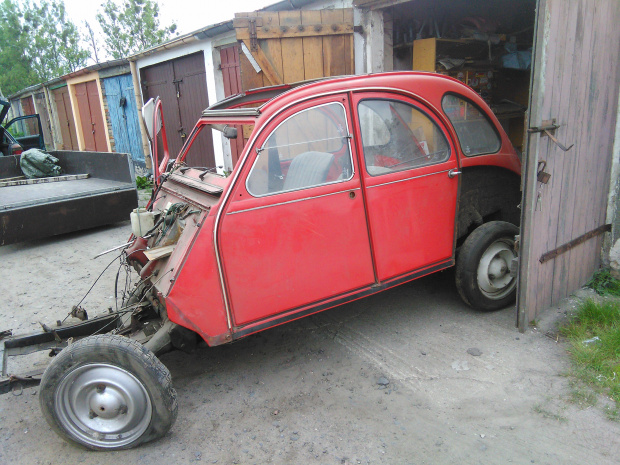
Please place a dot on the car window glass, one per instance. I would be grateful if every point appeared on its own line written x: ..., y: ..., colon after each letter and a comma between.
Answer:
x: 308, y: 149
x: 24, y: 128
x: 475, y: 132
x: 397, y: 136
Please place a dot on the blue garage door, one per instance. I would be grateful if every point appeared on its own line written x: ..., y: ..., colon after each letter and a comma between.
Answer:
x: 124, y: 116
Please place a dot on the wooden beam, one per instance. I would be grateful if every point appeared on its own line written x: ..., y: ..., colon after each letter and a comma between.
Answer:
x: 265, y: 65
x: 301, y: 30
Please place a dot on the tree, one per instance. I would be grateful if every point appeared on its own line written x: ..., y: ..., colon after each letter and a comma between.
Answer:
x: 132, y: 26
x: 55, y: 47
x: 16, y: 71
x: 37, y: 43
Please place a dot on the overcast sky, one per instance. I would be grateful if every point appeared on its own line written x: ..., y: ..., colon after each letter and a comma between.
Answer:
x: 188, y: 14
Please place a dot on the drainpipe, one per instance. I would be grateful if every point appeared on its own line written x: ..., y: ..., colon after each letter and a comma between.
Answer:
x: 146, y: 147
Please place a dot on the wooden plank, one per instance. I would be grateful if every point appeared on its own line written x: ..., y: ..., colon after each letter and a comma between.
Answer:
x: 292, y: 49
x: 333, y: 46
x: 250, y: 79
x: 272, y: 48
x: 312, y: 47
x: 297, y: 30
x: 349, y: 51
x: 546, y: 219
x: 580, y: 198
x: 267, y: 67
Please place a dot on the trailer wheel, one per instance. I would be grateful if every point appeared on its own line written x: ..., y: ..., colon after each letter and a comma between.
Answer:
x: 108, y: 392
x: 483, y: 277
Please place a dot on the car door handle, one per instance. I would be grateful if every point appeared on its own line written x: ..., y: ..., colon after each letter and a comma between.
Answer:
x: 453, y: 173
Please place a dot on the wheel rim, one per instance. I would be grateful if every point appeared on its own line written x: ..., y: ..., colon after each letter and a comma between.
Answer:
x: 103, y: 405
x: 494, y: 280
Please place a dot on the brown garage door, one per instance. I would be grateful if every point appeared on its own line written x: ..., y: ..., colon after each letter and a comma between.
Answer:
x: 65, y: 118
x: 181, y: 85
x: 93, y: 127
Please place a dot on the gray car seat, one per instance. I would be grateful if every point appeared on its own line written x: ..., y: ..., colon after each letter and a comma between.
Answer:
x: 308, y: 169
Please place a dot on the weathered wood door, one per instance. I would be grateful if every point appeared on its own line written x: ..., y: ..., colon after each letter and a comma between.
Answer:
x: 181, y: 85
x: 292, y: 46
x: 28, y: 109
x: 231, y: 74
x: 65, y: 118
x: 574, y: 86
x: 44, y: 114
x: 91, y: 117
x: 124, y: 116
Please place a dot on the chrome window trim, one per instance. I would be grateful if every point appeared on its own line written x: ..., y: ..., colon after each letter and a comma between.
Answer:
x: 407, y: 179
x: 263, y: 148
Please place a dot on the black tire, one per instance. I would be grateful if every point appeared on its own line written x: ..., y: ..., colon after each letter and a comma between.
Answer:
x: 483, y: 266
x: 108, y: 392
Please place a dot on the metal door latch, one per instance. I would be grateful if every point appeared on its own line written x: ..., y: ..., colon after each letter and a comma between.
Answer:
x: 548, y: 127
x: 452, y: 173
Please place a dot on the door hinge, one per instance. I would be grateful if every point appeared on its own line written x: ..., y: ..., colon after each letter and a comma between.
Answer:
x: 253, y: 36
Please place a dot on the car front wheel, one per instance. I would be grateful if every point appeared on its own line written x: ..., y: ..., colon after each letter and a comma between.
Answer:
x: 108, y: 392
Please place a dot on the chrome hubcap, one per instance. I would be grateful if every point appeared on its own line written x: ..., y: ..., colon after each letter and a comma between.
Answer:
x: 103, y: 405
x: 493, y: 272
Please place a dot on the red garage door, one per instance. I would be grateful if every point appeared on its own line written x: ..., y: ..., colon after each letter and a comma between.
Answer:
x: 93, y: 127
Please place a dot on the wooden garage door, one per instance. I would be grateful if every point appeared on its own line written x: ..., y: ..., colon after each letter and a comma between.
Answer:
x: 65, y: 118
x: 93, y: 127
x: 575, y: 86
x: 44, y: 114
x: 124, y: 116
x: 181, y: 85
x: 293, y: 46
x: 28, y: 109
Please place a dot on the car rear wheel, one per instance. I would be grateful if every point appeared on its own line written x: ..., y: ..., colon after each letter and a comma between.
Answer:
x: 483, y: 277
x: 108, y: 392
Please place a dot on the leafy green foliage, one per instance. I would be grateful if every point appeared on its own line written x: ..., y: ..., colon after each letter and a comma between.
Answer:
x: 604, y: 283
x: 142, y: 182
x: 594, y: 335
x: 37, y: 43
x: 16, y: 71
x: 131, y: 26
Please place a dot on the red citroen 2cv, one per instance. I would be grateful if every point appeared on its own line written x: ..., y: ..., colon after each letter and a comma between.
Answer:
x: 345, y: 187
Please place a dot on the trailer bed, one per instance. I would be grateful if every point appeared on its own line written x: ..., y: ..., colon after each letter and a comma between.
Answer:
x: 33, y: 210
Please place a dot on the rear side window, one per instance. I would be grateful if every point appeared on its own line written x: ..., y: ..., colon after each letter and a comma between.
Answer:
x: 397, y: 136
x: 475, y: 132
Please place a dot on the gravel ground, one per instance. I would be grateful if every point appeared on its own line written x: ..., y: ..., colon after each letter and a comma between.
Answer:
x: 409, y: 376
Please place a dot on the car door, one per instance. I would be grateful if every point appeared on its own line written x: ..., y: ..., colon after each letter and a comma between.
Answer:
x: 27, y: 131
x: 295, y: 234
x: 410, y: 181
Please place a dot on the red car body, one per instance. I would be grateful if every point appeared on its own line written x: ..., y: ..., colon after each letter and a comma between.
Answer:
x: 248, y: 259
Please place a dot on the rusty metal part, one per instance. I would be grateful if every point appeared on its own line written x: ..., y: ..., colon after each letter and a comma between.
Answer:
x: 27, y: 344
x: 79, y: 313
x: 574, y: 243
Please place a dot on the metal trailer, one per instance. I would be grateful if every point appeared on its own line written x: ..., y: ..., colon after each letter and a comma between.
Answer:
x: 95, y: 189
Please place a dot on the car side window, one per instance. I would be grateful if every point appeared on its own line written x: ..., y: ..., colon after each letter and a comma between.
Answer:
x: 476, y: 134
x: 310, y: 148
x: 397, y: 136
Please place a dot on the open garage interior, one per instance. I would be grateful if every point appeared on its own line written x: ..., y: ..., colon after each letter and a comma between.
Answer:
x: 486, y: 44
x: 550, y: 73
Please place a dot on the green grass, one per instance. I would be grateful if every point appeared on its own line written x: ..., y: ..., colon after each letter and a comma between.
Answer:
x: 597, y: 363
x: 604, y: 284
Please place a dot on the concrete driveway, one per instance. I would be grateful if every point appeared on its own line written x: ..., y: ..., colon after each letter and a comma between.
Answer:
x: 409, y: 376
